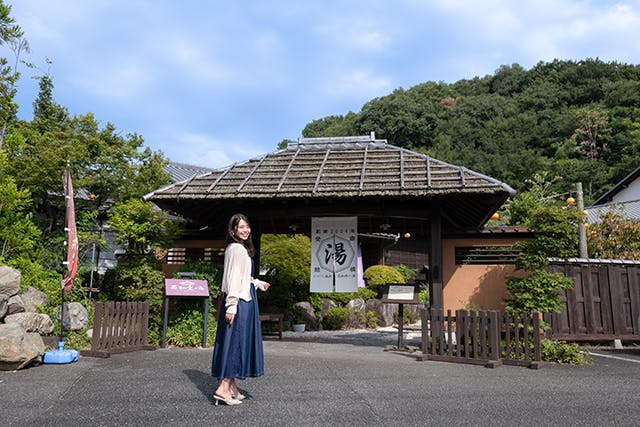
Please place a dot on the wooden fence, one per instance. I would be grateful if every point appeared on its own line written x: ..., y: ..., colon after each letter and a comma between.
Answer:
x: 119, y: 327
x: 481, y: 337
x: 604, y: 303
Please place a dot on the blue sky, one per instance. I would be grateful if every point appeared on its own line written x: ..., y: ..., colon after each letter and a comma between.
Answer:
x: 210, y: 83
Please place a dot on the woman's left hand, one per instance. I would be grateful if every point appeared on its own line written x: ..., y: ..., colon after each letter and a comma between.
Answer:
x: 265, y: 286
x: 229, y: 317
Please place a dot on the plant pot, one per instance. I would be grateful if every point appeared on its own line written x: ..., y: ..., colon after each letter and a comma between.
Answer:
x: 298, y: 327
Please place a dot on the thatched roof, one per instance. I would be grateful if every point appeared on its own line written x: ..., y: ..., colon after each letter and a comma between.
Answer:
x: 179, y: 172
x: 339, y: 169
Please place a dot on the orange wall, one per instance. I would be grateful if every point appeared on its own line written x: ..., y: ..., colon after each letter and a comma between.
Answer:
x: 474, y: 286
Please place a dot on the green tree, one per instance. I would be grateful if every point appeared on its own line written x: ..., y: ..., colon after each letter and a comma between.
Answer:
x: 593, y: 127
x: 286, y: 259
x: 556, y: 235
x: 17, y: 231
x: 578, y: 119
x: 104, y: 163
x: 615, y: 236
x: 142, y: 228
x: 10, y: 34
x: 332, y: 126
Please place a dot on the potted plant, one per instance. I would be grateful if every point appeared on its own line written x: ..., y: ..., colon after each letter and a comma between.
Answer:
x: 299, y: 316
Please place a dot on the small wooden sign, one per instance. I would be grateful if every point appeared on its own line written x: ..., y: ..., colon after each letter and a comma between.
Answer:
x: 186, y: 288
x: 401, y: 293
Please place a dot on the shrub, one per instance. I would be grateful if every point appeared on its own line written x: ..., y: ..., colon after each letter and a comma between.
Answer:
x: 185, y: 328
x: 423, y: 295
x: 561, y: 352
x: 42, y: 279
x: 356, y: 319
x: 77, y: 340
x: 378, y: 275
x: 299, y: 314
x: 371, y: 320
x: 408, y: 317
x: 409, y: 274
x: 537, y: 292
x: 336, y: 318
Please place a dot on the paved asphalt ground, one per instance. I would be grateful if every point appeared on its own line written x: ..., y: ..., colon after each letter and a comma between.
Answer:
x: 323, y: 379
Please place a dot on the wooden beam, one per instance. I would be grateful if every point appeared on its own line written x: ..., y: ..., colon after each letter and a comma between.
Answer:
x: 436, y: 297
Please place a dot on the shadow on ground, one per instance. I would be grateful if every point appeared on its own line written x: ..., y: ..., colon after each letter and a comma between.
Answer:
x: 203, y: 381
x: 356, y: 338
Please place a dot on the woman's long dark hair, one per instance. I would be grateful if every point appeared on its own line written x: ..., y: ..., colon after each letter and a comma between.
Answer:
x: 231, y: 233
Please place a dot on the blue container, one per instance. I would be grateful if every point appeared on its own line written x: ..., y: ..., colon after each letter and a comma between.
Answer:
x: 60, y: 356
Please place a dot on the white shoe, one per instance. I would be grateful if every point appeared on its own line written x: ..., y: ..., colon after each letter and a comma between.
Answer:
x: 228, y: 400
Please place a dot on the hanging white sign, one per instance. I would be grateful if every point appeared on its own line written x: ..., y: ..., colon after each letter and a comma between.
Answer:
x: 334, y: 256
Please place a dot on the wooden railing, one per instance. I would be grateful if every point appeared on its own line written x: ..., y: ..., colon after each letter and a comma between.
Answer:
x: 481, y: 337
x: 119, y: 327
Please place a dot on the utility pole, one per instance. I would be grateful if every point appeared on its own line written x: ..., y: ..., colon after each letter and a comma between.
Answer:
x: 582, y: 231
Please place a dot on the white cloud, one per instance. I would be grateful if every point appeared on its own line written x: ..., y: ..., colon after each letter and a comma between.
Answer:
x: 357, y: 83
x: 114, y: 82
x: 355, y: 33
x: 240, y: 76
x: 195, y: 58
x: 57, y: 22
x: 205, y: 150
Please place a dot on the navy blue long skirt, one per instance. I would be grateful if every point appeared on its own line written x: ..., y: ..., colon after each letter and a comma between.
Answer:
x: 237, y: 352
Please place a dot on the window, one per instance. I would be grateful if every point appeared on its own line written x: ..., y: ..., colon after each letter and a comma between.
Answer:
x: 483, y: 255
x: 182, y: 255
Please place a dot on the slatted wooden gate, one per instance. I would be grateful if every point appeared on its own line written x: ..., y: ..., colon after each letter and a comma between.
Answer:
x: 119, y: 327
x: 481, y: 337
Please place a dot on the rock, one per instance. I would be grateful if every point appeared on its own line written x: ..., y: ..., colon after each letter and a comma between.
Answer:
x: 32, y: 322
x: 9, y: 281
x: 19, y: 348
x: 357, y: 304
x: 310, y: 317
x: 384, y: 312
x: 32, y: 298
x: 327, y: 304
x: 16, y: 305
x: 4, y: 306
x: 75, y: 316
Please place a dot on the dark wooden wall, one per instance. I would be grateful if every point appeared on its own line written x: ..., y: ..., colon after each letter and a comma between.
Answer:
x: 603, y: 305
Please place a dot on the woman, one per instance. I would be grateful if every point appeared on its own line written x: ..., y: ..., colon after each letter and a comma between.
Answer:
x: 237, y: 352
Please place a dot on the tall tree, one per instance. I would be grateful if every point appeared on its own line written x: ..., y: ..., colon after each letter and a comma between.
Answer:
x: 10, y: 34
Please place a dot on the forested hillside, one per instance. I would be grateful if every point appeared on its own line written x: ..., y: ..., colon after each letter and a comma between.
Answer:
x: 576, y: 120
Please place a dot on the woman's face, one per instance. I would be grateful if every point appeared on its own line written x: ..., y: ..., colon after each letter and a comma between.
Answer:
x: 243, y: 230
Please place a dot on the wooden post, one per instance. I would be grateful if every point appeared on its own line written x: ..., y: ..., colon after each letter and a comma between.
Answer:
x: 400, y: 326
x: 495, y: 359
x: 436, y: 297
x: 582, y: 231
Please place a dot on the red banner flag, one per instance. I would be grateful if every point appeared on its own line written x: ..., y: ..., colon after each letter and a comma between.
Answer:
x: 72, y: 234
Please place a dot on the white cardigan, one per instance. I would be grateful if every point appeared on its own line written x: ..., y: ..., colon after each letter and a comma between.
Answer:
x: 236, y: 279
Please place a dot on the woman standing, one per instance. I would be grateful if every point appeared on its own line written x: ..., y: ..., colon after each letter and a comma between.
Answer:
x: 237, y: 353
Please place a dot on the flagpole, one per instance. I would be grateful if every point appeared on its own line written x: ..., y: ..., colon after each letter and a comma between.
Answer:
x: 61, y: 355
x: 65, y: 249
